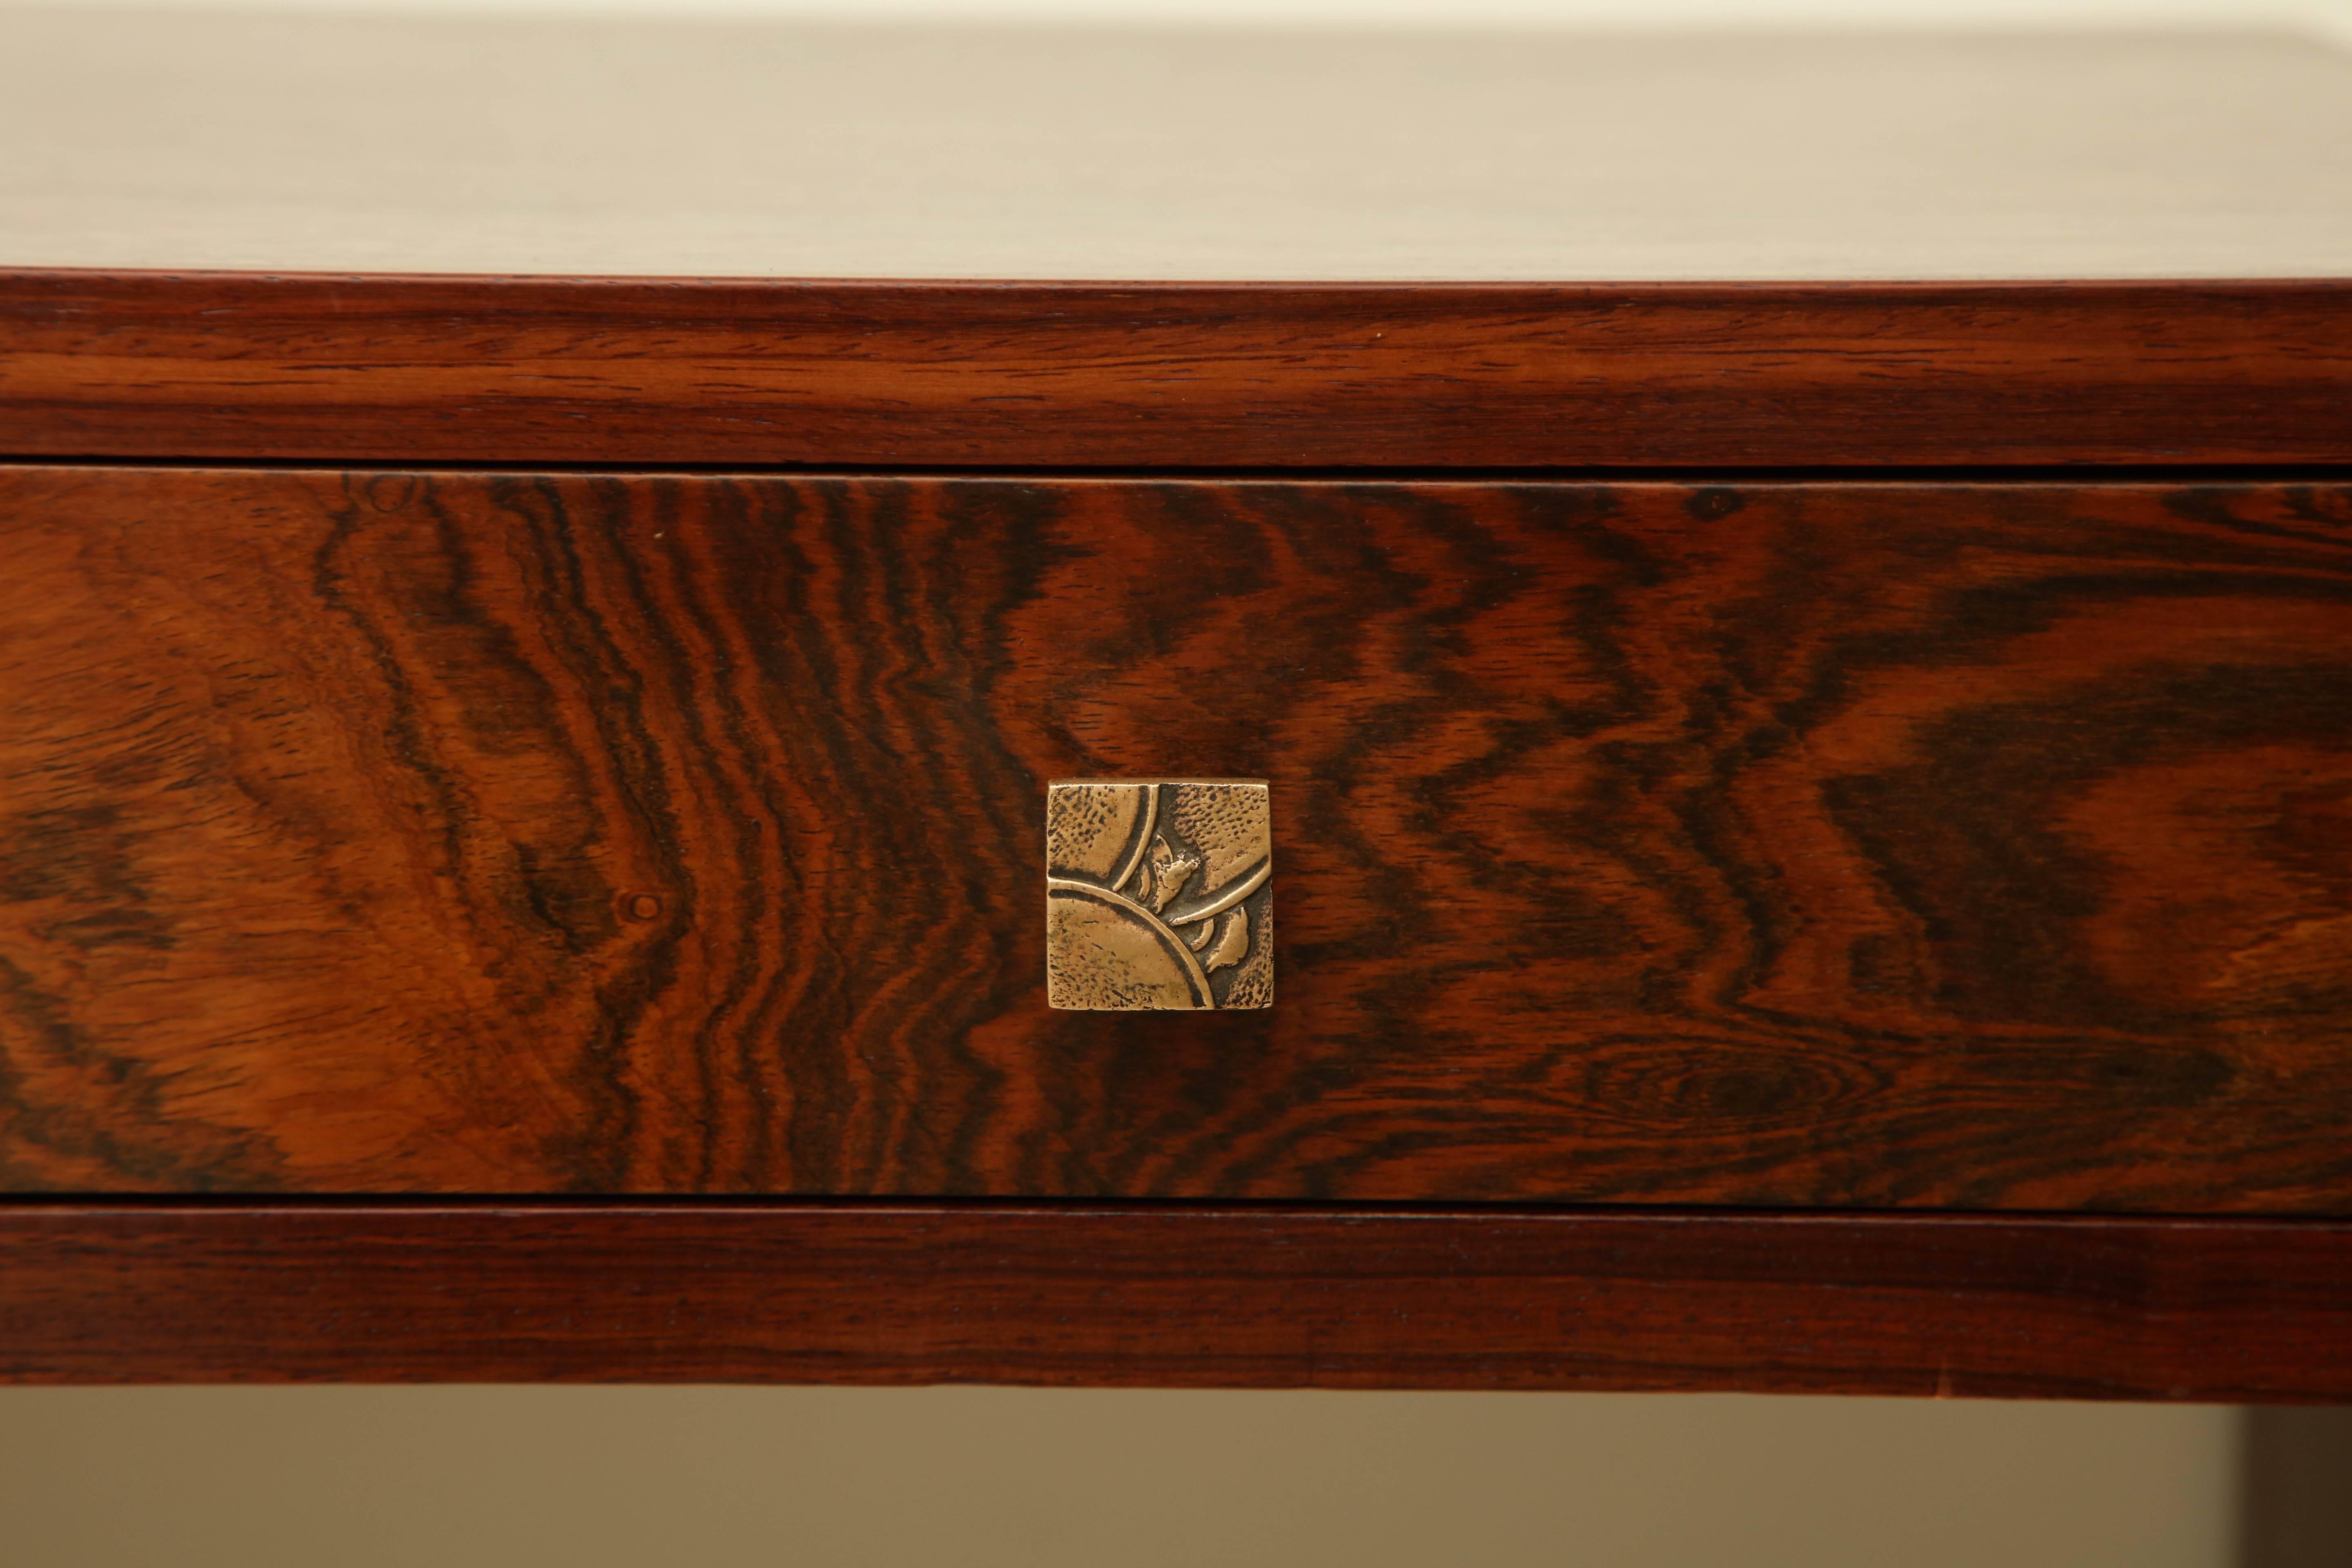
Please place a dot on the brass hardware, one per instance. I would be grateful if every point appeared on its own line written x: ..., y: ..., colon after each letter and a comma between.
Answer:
x: 1159, y: 894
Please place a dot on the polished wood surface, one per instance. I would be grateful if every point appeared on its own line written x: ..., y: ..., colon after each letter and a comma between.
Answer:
x: 695, y: 148
x: 351, y: 369
x: 2010, y: 1306
x: 1881, y: 844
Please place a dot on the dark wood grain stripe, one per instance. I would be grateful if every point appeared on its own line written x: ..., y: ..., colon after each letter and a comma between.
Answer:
x: 540, y: 370
x: 2016, y: 1306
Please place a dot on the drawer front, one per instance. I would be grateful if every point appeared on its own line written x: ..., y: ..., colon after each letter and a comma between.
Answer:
x: 1878, y: 845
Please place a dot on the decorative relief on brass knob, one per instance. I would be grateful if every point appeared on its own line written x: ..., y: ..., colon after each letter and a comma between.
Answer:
x: 1158, y: 893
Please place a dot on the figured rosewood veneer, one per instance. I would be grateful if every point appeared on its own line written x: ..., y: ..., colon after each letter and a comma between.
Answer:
x: 1890, y: 845
x: 1653, y: 835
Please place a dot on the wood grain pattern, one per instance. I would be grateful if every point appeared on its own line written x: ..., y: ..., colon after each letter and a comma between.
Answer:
x: 2064, y: 1308
x: 1823, y: 844
x: 1445, y: 376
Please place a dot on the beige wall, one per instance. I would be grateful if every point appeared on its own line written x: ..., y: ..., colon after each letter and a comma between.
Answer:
x: 2333, y: 16
x: 968, y: 1478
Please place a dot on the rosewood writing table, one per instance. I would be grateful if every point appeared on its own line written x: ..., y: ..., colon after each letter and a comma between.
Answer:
x: 1756, y: 636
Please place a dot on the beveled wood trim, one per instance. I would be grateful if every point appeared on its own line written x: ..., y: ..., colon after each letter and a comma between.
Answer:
x: 534, y: 370
x: 2064, y: 1307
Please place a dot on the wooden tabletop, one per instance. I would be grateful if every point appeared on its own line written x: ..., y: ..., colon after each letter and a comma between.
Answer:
x: 693, y: 149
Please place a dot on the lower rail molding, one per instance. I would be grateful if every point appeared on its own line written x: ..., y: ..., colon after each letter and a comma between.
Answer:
x: 2071, y: 1307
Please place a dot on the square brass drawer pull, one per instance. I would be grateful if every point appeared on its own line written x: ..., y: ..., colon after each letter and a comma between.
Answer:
x: 1159, y: 894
